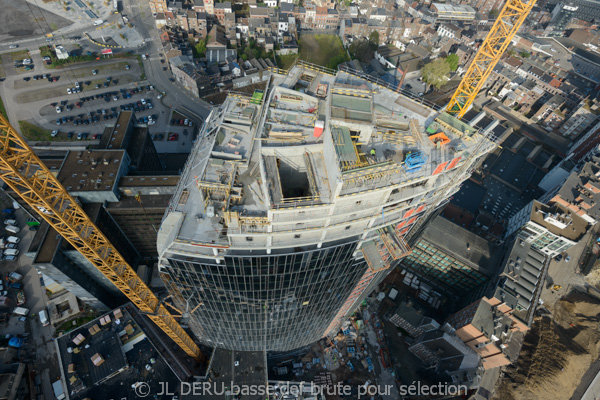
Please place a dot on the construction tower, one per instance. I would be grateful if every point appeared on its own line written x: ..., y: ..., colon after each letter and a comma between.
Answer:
x: 507, y: 24
x: 24, y: 173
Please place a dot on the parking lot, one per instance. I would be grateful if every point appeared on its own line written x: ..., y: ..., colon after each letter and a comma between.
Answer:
x: 77, y: 102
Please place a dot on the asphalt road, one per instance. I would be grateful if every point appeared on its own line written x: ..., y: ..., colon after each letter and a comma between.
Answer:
x: 140, y: 16
x: 39, y: 347
x: 177, y: 96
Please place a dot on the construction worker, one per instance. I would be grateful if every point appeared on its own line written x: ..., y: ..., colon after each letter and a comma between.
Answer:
x: 373, y: 152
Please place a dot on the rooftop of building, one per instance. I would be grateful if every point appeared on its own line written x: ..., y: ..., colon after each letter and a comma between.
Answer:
x: 463, y: 244
x: 449, y: 8
x: 113, y: 350
x: 290, y: 145
x: 116, y: 136
x: 241, y: 368
x: 150, y: 202
x: 559, y: 220
x: 581, y: 190
x: 148, y: 180
x: 521, y: 279
x: 91, y: 170
x: 408, y: 312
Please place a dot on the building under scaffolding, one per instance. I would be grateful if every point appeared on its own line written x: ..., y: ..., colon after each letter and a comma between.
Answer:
x: 295, y: 203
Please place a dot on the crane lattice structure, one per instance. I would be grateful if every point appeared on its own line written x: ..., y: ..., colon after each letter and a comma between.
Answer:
x: 24, y: 173
x: 507, y: 24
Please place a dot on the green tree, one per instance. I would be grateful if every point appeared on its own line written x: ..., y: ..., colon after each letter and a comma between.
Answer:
x: 200, y: 47
x: 436, y: 72
x: 452, y: 61
x: 361, y: 50
x: 374, y: 38
x: 493, y: 14
x: 524, y: 54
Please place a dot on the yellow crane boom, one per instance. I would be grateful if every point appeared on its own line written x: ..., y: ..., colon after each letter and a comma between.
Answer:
x: 23, y: 171
x: 505, y: 28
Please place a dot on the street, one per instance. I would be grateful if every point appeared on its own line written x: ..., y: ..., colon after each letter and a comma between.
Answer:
x: 176, y: 98
x: 39, y: 347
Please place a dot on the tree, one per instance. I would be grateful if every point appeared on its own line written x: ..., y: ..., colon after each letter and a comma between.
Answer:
x: 436, y: 72
x: 452, y: 61
x: 374, y: 39
x: 524, y: 54
x: 200, y: 47
x: 493, y: 14
x: 361, y: 50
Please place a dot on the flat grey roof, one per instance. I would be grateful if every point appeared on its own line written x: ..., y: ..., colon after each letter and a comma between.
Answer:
x: 455, y: 239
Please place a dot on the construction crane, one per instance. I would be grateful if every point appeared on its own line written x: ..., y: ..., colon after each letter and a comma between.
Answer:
x: 24, y: 173
x: 507, y: 24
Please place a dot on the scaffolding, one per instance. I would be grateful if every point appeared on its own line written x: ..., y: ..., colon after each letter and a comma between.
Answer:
x: 385, y: 248
x: 228, y: 192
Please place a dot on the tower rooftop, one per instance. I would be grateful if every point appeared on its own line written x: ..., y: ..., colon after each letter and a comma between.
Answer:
x: 308, y: 139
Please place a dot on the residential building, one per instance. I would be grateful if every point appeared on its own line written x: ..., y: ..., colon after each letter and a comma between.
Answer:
x: 579, y: 120
x: 490, y: 328
x: 158, y: 6
x: 550, y: 229
x: 279, y: 264
x: 449, y: 30
x: 580, y: 192
x: 221, y: 9
x: 193, y: 79
x: 449, y: 12
x: 550, y: 115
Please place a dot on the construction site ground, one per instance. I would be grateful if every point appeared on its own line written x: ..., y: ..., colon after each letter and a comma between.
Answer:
x: 557, y: 351
x: 333, y: 357
x: 564, y: 339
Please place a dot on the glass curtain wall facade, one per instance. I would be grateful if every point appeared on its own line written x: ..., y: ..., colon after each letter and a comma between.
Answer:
x: 276, y: 302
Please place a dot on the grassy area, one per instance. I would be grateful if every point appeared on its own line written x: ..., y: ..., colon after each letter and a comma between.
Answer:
x: 46, y: 51
x: 285, y: 62
x: 324, y: 50
x: 33, y: 132
x: 75, y: 323
x: 143, y: 74
x: 2, y: 109
x: 19, y: 55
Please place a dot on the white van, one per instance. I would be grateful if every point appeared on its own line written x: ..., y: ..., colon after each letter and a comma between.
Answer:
x: 10, y: 222
x: 11, y: 252
x: 98, y: 22
x: 12, y: 229
x: 13, y: 239
x: 43, y: 318
x: 21, y: 311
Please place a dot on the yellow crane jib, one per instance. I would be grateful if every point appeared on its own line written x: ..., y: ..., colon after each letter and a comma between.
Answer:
x: 24, y: 173
x: 509, y: 20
